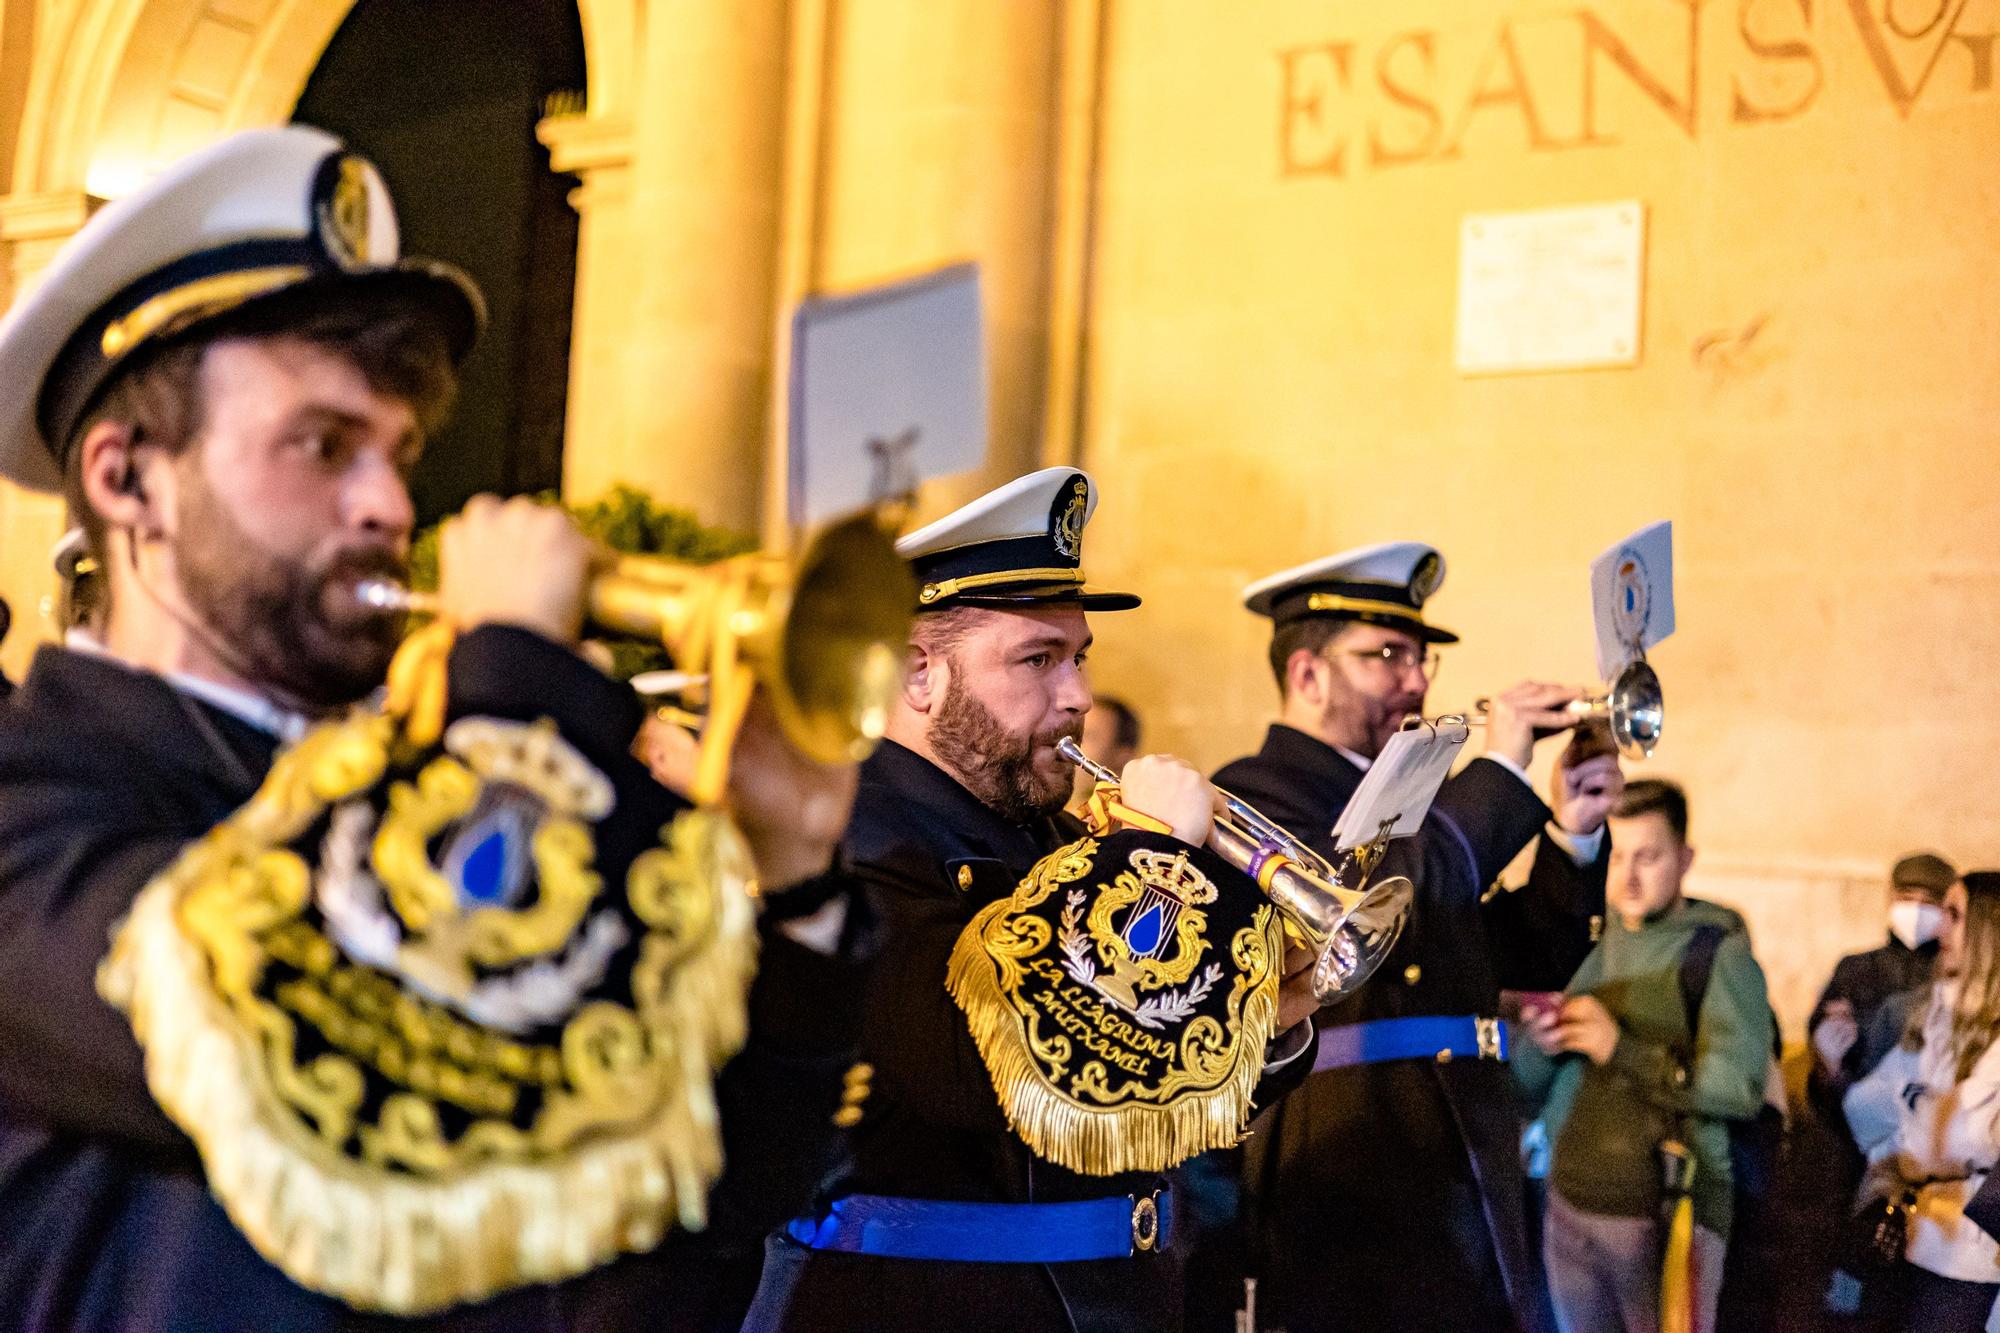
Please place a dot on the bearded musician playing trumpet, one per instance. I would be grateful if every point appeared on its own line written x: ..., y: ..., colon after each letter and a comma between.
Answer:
x: 314, y: 1012
x: 1059, y: 1016
x: 1388, y: 1188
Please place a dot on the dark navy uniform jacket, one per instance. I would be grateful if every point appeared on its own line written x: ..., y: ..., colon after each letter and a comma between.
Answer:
x: 1541, y: 932
x: 1389, y: 1196
x: 105, y: 1222
x: 933, y: 855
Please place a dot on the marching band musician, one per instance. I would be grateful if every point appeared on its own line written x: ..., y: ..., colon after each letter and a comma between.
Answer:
x: 283, y: 1099
x: 967, y: 1200
x: 1388, y: 1187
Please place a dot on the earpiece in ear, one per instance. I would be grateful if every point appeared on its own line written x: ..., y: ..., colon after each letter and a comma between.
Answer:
x: 133, y: 482
x: 129, y: 481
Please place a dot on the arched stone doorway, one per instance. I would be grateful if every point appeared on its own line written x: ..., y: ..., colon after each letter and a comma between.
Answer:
x: 116, y: 87
x: 452, y: 126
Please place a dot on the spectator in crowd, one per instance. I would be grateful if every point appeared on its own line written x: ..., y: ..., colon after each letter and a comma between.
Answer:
x: 1665, y: 1035
x: 1859, y: 1018
x: 1928, y: 1119
x: 1862, y: 982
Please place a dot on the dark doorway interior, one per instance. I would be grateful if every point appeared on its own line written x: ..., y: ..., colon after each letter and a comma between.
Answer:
x: 443, y: 96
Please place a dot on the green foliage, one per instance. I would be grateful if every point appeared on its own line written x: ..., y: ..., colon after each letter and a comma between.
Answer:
x: 629, y: 521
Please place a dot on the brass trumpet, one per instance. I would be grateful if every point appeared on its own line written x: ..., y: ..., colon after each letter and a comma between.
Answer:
x: 824, y: 636
x: 1634, y: 706
x: 1351, y: 929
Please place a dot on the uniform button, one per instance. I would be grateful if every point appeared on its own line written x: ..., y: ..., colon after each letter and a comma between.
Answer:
x: 1412, y: 975
x: 853, y: 1095
x: 964, y: 878
x: 1444, y: 1056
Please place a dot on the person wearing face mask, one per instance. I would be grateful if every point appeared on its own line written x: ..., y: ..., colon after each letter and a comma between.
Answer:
x: 1859, y: 1019
x: 1928, y: 1118
x: 1845, y: 1041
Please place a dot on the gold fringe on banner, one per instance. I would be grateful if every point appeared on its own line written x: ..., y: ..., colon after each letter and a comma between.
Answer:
x: 625, y: 1145
x: 1080, y: 1112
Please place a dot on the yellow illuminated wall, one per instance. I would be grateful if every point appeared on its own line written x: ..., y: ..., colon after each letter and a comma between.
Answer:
x: 1817, y: 404
x: 1221, y: 249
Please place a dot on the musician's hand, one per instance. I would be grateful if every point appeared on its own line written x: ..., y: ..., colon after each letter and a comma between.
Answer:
x: 1585, y: 794
x: 791, y: 810
x: 1520, y: 716
x: 1836, y: 1034
x: 1172, y: 792
x: 671, y: 752
x: 1296, y: 1000
x: 514, y: 562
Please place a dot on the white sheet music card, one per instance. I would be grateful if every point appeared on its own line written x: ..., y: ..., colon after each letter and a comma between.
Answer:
x: 1399, y: 786
x: 888, y: 390
x: 1632, y: 597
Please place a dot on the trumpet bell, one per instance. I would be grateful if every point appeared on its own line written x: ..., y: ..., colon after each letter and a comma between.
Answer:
x: 1637, y: 710
x: 840, y: 656
x: 824, y: 636
x: 1365, y: 937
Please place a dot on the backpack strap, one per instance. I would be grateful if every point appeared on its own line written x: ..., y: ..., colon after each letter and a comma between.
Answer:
x: 1697, y: 965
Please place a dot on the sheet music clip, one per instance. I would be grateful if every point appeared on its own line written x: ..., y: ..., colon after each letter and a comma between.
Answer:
x: 1396, y: 792
x: 888, y: 390
x: 1452, y: 728
x: 892, y: 477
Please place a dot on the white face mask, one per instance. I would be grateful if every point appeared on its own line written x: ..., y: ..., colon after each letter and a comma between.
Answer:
x: 1915, y: 924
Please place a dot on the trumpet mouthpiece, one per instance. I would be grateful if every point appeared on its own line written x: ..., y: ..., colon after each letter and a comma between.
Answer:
x: 392, y: 598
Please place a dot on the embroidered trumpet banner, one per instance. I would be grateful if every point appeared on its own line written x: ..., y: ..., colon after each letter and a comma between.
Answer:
x: 428, y: 1046
x: 1121, y: 1000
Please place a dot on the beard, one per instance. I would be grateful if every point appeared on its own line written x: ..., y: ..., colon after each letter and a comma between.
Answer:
x: 288, y: 624
x: 1379, y: 717
x: 995, y: 764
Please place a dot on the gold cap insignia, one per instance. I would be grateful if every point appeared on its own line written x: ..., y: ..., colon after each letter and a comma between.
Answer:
x: 1067, y: 518
x: 1425, y: 578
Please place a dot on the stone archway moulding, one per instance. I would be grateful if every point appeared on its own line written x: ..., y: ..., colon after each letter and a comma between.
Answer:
x: 116, y: 88
x: 120, y: 86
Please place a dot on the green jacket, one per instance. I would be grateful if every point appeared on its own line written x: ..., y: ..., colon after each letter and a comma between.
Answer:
x: 1636, y: 974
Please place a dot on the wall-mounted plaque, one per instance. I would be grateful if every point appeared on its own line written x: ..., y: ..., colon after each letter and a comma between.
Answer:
x: 1550, y: 289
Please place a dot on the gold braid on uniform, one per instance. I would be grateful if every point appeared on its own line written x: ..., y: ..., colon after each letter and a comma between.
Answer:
x: 407, y: 1100
x: 1117, y: 1036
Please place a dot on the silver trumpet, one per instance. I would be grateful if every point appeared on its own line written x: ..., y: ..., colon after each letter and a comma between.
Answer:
x: 1634, y: 706
x: 1351, y: 929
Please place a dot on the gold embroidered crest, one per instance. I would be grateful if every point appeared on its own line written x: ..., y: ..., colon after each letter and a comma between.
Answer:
x: 1121, y: 1003
x: 394, y: 1001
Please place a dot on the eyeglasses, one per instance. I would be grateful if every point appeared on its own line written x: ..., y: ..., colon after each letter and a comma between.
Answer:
x: 1398, y: 657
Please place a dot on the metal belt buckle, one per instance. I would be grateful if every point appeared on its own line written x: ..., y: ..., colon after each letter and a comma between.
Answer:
x: 1489, y: 1037
x: 1146, y: 1223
